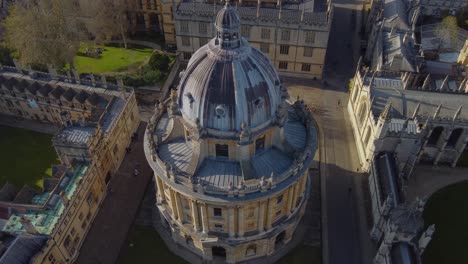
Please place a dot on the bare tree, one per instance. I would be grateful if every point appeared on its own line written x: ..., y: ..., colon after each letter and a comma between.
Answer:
x: 447, y: 31
x: 42, y: 32
x: 110, y: 18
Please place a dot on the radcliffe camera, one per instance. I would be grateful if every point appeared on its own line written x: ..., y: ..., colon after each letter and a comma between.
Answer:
x: 233, y: 131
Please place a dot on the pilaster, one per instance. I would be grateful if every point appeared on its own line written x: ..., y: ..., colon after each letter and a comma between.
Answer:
x: 261, y: 212
x: 204, y: 218
x: 173, y: 205
x: 196, y: 221
x: 271, y: 203
x: 240, y: 221
x: 160, y: 195
x: 290, y: 199
x: 232, y: 229
x: 180, y: 213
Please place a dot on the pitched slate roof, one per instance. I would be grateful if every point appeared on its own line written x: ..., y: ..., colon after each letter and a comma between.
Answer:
x: 22, y: 249
x: 69, y: 94
x: 45, y: 90
x: 57, y: 92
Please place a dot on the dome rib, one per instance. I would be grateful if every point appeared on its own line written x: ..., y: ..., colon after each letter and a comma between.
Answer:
x: 227, y: 82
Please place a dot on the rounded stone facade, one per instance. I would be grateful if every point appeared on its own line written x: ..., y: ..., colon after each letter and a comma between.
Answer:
x: 229, y: 153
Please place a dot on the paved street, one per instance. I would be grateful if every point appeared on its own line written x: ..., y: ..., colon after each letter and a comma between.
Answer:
x: 117, y: 213
x: 345, y: 229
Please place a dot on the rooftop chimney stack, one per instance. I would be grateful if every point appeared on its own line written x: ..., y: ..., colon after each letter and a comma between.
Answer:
x: 28, y: 226
x: 64, y: 198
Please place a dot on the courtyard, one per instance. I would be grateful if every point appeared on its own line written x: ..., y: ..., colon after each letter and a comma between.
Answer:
x: 448, y: 210
x: 25, y: 157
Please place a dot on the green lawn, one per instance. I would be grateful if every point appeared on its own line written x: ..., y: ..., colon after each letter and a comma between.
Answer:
x: 448, y: 210
x: 143, y: 246
x: 25, y: 157
x: 113, y: 59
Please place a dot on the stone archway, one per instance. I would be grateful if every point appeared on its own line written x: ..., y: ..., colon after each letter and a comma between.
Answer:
x: 435, y: 135
x: 279, y: 239
x: 219, y: 252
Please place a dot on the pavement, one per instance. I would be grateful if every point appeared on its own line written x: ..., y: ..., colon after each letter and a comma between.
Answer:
x: 116, y: 215
x: 345, y: 225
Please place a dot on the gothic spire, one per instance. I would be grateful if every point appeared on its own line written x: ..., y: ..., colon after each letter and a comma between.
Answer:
x: 386, y: 113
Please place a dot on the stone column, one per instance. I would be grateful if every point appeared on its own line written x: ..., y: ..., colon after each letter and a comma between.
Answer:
x: 240, y: 221
x: 204, y: 218
x: 296, y: 194
x: 290, y: 199
x: 232, y: 230
x: 270, y: 213
x: 261, y: 211
x: 180, y: 212
x: 173, y: 204
x: 160, y: 197
x: 196, y: 221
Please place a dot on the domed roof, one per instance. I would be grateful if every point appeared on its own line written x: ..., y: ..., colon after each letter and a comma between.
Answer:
x: 227, y: 82
x: 227, y: 18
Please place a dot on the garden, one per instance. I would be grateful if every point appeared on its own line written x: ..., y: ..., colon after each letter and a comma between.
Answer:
x: 136, y: 65
x: 448, y: 210
x: 25, y: 157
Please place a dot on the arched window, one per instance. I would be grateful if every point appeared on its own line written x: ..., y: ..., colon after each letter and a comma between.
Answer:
x: 251, y: 250
x: 367, y: 137
x: 454, y: 137
x: 435, y: 135
x: 218, y: 252
x: 362, y: 111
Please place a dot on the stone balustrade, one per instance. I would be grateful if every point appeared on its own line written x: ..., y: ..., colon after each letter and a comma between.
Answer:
x: 248, y: 187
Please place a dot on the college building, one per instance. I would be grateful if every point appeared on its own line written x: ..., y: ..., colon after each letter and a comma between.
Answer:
x: 294, y: 35
x: 97, y: 120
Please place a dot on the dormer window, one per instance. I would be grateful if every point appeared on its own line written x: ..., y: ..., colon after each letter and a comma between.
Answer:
x: 259, y: 102
x: 220, y: 111
x: 222, y: 150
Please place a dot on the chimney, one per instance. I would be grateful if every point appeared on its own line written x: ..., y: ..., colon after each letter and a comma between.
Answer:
x: 93, y: 81
x: 120, y: 83
x: 69, y: 78
x: 17, y: 64
x: 28, y: 226
x: 52, y: 71
x: 104, y: 81
x: 76, y: 76
x: 64, y: 198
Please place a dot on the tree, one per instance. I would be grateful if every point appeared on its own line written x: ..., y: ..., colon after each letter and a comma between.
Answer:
x: 44, y: 32
x: 109, y: 18
x: 447, y: 31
